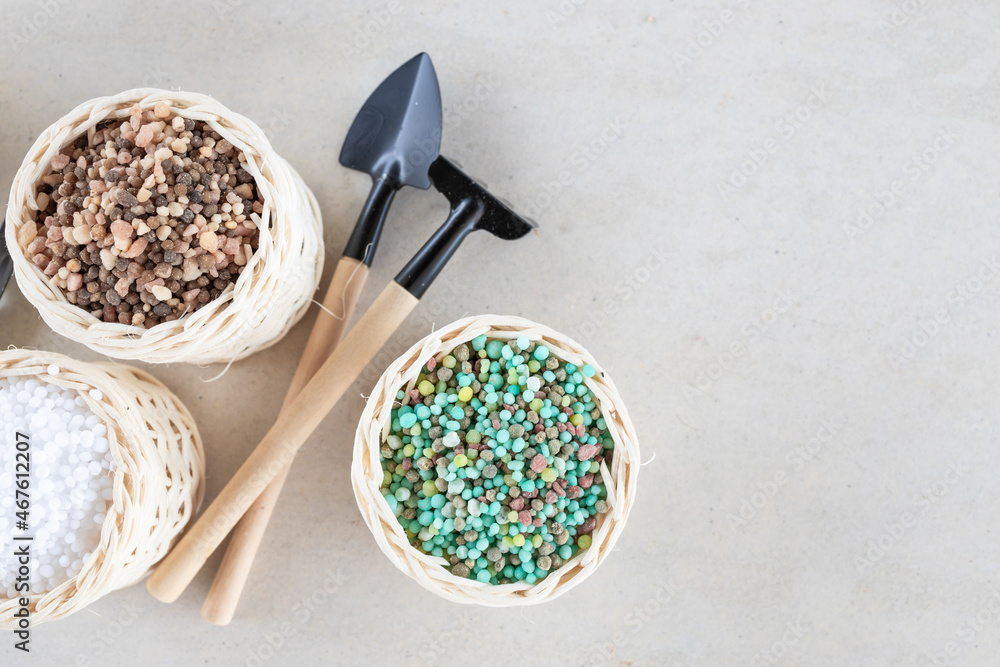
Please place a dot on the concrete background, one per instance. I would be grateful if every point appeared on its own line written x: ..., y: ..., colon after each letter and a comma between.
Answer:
x: 781, y: 249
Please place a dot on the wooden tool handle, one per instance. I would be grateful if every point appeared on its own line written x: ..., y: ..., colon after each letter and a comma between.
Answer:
x: 345, y: 287
x: 290, y: 431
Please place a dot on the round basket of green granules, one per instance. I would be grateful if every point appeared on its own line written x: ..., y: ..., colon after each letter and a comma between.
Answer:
x: 495, y: 462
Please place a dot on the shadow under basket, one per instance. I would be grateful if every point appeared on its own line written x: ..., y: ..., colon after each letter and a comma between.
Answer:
x: 158, y: 476
x: 430, y: 571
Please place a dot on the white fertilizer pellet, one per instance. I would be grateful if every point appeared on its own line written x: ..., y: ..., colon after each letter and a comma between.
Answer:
x: 70, y: 481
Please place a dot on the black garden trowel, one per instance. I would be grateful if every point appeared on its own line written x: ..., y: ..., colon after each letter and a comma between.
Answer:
x: 395, y: 138
x: 472, y: 208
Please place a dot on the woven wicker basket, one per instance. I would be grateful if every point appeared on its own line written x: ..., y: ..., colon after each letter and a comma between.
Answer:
x: 429, y: 571
x: 157, y: 485
x: 270, y: 295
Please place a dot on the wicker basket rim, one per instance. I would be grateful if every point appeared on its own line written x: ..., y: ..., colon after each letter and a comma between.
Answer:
x: 158, y: 480
x: 287, y: 202
x: 428, y: 570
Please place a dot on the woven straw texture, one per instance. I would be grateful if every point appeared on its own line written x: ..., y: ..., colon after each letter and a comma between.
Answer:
x: 429, y: 571
x: 158, y: 480
x: 271, y: 294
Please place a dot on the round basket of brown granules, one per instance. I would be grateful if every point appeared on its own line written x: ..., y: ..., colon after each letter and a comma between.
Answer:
x: 161, y: 226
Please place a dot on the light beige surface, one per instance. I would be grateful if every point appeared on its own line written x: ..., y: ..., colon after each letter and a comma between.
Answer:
x: 658, y: 274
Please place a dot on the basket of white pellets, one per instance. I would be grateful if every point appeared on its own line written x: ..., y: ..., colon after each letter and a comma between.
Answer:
x: 161, y: 226
x: 495, y: 462
x: 102, y: 470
